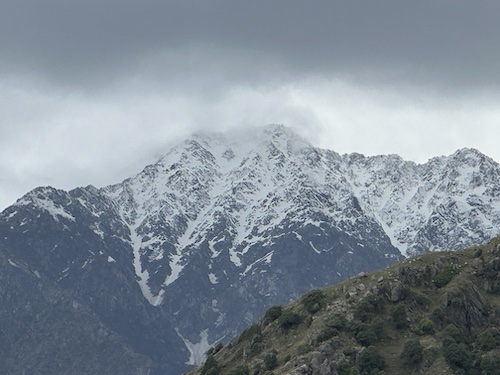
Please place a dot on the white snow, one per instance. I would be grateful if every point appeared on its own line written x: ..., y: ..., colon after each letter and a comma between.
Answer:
x: 111, y: 259
x: 54, y: 210
x: 98, y: 231
x: 142, y: 274
x: 12, y: 263
x: 176, y: 267
x: 213, y: 279
x: 196, y: 350
x: 234, y: 257
x: 265, y: 259
x: 211, y: 244
x: 314, y: 248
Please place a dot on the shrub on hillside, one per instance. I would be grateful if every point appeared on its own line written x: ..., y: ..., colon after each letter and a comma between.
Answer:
x: 337, y: 321
x: 443, y: 277
x: 250, y: 332
x: 210, y: 367
x: 240, y: 370
x: 490, y: 365
x: 368, y: 307
x: 326, y: 334
x: 486, y: 341
x: 399, y: 317
x: 453, y: 334
x: 272, y: 314
x: 346, y: 368
x: 366, y: 337
x: 413, y: 353
x: 271, y: 361
x: 457, y: 355
x: 426, y: 326
x: 290, y: 320
x: 371, y: 361
x: 313, y: 301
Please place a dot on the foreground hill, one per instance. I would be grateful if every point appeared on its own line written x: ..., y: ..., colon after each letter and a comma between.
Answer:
x: 436, y: 313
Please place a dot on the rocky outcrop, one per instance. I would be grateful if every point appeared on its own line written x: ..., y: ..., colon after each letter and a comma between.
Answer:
x: 465, y: 306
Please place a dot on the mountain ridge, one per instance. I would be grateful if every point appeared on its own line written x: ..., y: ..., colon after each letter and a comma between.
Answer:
x: 234, y: 225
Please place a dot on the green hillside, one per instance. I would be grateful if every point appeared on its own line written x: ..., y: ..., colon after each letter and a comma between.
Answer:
x: 438, y: 313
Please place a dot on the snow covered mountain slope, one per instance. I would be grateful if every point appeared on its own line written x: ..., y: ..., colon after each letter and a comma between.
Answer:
x: 199, y: 244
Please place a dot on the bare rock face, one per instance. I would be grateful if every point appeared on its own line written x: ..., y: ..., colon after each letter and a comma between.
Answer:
x: 466, y: 306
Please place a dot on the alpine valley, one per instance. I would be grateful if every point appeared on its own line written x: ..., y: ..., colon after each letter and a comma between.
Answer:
x: 144, y: 276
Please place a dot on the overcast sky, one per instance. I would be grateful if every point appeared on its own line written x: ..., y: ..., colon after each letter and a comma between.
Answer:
x: 92, y: 91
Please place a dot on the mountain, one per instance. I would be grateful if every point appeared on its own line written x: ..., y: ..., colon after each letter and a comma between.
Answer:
x: 198, y: 245
x: 436, y: 313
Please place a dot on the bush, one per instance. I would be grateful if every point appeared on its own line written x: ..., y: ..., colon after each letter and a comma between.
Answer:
x: 240, y: 370
x: 355, y: 326
x: 399, y: 318
x: 346, y: 368
x: 370, y: 360
x: 210, y: 367
x: 364, y: 310
x: 337, y: 321
x: 272, y: 314
x: 290, y: 320
x: 413, y: 353
x: 486, y: 341
x: 437, y: 315
x: 326, y: 334
x: 366, y: 337
x: 443, y: 277
x: 453, y: 333
x: 271, y: 361
x: 369, y: 334
x: 313, y: 301
x: 426, y: 326
x: 490, y: 365
x: 421, y: 300
x: 250, y: 332
x: 457, y: 356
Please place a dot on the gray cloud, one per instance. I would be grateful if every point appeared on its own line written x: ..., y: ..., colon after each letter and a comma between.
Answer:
x: 439, y: 42
x: 91, y: 91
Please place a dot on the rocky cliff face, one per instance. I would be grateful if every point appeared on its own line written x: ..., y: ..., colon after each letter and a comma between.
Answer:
x: 199, y: 244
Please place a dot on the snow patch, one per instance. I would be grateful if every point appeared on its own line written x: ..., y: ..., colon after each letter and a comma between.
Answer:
x: 196, y: 350
x: 213, y: 279
x: 54, y: 210
x: 12, y: 263
x: 142, y: 275
x: 234, y: 257
x: 99, y: 232
x: 314, y: 248
x: 111, y: 259
x: 176, y: 267
x: 265, y: 259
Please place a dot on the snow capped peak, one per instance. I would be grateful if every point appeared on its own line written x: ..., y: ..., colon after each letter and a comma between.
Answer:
x: 230, y: 193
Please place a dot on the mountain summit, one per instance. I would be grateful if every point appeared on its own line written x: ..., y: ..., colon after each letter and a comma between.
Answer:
x: 199, y: 244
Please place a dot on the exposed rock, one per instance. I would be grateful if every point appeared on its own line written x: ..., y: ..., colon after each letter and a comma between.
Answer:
x: 466, y: 306
x: 394, y: 290
x: 301, y: 370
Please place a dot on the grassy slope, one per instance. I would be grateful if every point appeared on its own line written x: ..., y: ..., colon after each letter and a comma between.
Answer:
x: 459, y: 288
